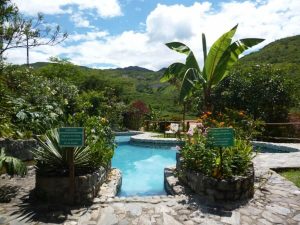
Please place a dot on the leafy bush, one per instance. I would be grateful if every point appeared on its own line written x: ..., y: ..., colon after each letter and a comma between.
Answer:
x: 245, y: 126
x: 198, y: 155
x: 34, y: 104
x: 260, y: 90
x: 102, y: 103
x: 135, y: 115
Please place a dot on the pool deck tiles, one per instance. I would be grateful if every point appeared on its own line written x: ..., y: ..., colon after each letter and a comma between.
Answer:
x: 276, y: 201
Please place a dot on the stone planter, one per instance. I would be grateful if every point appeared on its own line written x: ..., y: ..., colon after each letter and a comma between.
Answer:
x: 56, y: 189
x: 234, y: 189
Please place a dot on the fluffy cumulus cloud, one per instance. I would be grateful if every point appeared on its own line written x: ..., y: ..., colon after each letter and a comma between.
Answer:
x: 104, y: 8
x: 269, y: 19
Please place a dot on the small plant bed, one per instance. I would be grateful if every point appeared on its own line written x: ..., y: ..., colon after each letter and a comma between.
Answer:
x: 292, y: 175
x: 91, y: 164
x: 217, y: 163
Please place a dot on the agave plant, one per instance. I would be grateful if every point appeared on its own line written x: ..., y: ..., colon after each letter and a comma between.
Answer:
x: 11, y: 164
x: 52, y: 159
x: 221, y: 57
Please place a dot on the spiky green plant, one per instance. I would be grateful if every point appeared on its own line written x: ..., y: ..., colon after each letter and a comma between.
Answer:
x: 11, y: 164
x: 52, y: 159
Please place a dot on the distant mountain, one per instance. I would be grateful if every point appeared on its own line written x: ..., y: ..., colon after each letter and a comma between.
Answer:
x: 286, y: 50
x: 134, y: 68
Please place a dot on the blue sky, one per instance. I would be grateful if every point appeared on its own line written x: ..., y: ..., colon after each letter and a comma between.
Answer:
x: 120, y: 33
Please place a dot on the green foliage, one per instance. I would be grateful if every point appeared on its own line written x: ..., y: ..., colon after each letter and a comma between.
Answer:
x: 283, y: 54
x: 221, y: 57
x: 52, y: 159
x: 245, y: 127
x: 11, y: 164
x: 33, y: 103
x: 260, y: 90
x: 100, y: 138
x: 200, y: 156
x: 102, y: 103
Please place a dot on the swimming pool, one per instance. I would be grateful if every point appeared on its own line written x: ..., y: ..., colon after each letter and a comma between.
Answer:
x: 142, y: 167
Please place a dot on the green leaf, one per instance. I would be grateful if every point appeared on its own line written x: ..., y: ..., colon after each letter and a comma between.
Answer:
x: 216, y: 52
x: 191, y: 77
x: 174, y: 70
x: 204, y: 47
x: 231, y: 56
x: 179, y: 47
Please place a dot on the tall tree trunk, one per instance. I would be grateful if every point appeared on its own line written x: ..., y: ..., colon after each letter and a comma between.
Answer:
x: 207, y: 100
x: 183, y: 115
x: 27, y: 50
x: 1, y: 43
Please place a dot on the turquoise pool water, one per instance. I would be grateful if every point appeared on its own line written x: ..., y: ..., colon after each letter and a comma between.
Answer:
x: 142, y: 167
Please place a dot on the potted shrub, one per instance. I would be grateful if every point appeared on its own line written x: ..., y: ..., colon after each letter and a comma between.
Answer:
x: 91, y: 162
x: 220, y: 174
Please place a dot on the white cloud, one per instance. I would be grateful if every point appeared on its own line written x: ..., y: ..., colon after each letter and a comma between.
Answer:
x: 271, y: 19
x: 104, y: 8
x: 89, y: 36
x: 80, y: 21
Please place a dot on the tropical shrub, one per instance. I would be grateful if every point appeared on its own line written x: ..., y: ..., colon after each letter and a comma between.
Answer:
x: 260, y: 90
x: 199, y: 155
x: 11, y: 165
x: 134, y: 117
x: 245, y: 126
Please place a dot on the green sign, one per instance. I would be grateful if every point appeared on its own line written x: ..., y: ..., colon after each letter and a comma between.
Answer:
x: 71, y: 136
x: 221, y: 137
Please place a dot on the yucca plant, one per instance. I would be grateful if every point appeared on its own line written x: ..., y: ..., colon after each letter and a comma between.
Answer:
x: 12, y: 165
x: 222, y: 55
x: 52, y: 159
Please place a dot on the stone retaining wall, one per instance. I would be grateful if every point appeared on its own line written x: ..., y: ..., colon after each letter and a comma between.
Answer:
x: 56, y: 189
x: 236, y: 188
x: 20, y: 149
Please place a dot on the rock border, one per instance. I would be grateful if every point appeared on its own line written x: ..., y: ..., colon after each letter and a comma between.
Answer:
x: 238, y: 188
x: 56, y: 189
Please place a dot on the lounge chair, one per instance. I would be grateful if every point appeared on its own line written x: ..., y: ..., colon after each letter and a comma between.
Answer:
x: 174, y: 129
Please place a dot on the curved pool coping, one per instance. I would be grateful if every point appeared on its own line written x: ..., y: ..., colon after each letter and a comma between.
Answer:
x: 151, y: 138
x: 290, y: 147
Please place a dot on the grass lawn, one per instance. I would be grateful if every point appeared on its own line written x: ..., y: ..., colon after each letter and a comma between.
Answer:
x: 292, y: 175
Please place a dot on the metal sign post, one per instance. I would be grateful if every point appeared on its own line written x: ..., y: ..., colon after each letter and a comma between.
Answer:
x: 71, y: 137
x: 221, y: 137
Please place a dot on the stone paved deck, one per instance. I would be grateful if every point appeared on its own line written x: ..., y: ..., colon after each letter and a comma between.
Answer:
x: 276, y: 201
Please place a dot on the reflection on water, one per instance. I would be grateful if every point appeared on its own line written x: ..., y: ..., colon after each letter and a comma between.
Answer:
x: 142, y: 168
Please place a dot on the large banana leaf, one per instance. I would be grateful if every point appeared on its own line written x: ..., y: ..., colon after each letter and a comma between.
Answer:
x: 191, y: 78
x: 179, y: 47
x: 215, y: 53
x: 230, y: 57
x: 176, y: 70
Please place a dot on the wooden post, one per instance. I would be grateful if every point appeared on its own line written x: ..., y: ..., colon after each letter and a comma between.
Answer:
x: 70, y: 155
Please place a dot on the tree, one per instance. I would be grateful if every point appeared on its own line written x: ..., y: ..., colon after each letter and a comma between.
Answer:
x: 18, y: 32
x: 221, y: 57
x: 260, y: 90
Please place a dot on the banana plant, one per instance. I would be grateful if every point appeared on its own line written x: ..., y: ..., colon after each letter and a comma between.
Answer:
x: 222, y: 55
